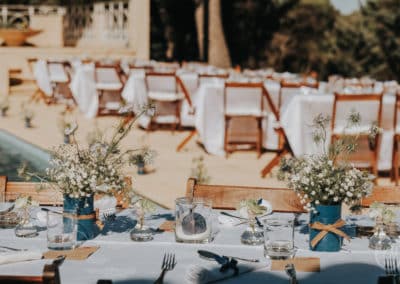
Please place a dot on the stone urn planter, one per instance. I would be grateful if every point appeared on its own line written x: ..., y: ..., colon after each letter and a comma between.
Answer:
x: 16, y: 37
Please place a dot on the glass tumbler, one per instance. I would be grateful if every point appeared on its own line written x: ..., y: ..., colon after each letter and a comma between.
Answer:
x: 279, y: 237
x: 193, y: 217
x: 62, y: 230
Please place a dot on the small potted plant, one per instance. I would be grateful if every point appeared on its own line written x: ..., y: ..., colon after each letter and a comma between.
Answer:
x: 143, y: 158
x: 27, y: 115
x: 199, y: 171
x: 67, y: 128
x: 4, y: 106
x: 143, y: 206
x: 323, y: 183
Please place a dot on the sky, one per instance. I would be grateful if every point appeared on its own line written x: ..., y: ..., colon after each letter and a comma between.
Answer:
x: 346, y: 6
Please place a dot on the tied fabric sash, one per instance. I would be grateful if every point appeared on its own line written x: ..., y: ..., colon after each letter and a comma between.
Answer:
x: 325, y: 229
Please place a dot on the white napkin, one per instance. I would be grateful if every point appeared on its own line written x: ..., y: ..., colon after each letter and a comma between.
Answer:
x: 19, y: 256
x: 106, y: 205
x: 5, y: 206
x: 228, y: 221
x: 201, y: 274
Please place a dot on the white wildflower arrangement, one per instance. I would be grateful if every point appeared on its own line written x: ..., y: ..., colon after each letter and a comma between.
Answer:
x: 24, y: 202
x: 383, y: 212
x: 320, y: 178
x: 145, y: 156
x: 199, y: 171
x: 81, y: 172
x: 26, y: 113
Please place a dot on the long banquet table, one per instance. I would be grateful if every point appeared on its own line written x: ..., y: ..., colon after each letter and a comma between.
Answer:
x: 124, y: 261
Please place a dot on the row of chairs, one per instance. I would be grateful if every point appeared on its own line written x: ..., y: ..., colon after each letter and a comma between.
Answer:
x: 224, y: 197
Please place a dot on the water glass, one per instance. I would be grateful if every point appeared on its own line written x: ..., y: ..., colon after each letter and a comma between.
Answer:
x: 62, y: 230
x: 279, y: 237
x: 193, y: 217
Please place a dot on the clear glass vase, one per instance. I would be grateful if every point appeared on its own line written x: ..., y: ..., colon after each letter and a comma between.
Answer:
x: 253, y: 235
x: 380, y: 240
x: 26, y: 228
x: 141, y: 232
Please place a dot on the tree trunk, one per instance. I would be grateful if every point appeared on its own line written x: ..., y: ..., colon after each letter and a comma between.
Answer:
x: 218, y: 53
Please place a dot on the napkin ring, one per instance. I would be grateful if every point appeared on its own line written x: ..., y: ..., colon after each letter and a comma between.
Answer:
x: 230, y: 264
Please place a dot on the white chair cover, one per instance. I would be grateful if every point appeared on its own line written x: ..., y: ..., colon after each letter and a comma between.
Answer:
x: 42, y: 77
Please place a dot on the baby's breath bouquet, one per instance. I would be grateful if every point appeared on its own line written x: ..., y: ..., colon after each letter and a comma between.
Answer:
x: 321, y: 178
x: 80, y: 172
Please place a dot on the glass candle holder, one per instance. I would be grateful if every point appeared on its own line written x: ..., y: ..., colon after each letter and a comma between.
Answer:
x: 193, y: 217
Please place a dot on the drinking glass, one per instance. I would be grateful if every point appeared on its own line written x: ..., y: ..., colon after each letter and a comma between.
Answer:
x: 62, y: 230
x: 279, y: 237
x: 193, y: 217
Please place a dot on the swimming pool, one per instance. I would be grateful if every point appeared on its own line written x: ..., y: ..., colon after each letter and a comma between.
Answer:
x: 15, y: 151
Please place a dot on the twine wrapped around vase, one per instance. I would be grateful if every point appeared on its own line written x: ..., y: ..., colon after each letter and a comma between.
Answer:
x: 325, y: 229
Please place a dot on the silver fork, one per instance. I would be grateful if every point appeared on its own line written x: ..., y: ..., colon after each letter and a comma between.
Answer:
x: 391, y: 267
x: 168, y: 264
x: 12, y: 249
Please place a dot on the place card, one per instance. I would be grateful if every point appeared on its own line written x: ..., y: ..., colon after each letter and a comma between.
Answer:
x: 80, y: 253
x: 168, y: 226
x: 306, y: 264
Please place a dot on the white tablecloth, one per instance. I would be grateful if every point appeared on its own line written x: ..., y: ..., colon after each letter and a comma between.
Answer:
x: 42, y: 77
x: 210, y: 121
x: 297, y: 117
x: 83, y: 89
x: 124, y: 261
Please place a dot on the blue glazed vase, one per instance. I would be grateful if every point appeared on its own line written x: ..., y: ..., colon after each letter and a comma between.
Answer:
x: 84, y: 208
x: 140, y: 168
x: 327, y: 215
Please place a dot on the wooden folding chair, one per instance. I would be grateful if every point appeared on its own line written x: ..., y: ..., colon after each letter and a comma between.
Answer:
x: 50, y: 275
x: 60, y: 77
x: 13, y: 189
x: 360, y: 160
x: 294, y: 85
x: 383, y: 194
x: 238, y: 96
x: 38, y: 93
x: 168, y: 91
x: 228, y: 197
x: 109, y: 85
x: 396, y: 139
x: 201, y: 79
x: 284, y: 146
x: 46, y: 196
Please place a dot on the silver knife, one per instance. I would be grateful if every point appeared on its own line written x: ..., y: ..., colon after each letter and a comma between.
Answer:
x: 222, y: 259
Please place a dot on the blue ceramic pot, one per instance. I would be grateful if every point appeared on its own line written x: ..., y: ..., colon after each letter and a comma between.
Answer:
x: 87, y: 228
x: 326, y: 214
x: 67, y: 139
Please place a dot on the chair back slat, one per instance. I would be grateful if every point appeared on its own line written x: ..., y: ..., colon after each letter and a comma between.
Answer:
x: 228, y: 197
x: 382, y: 194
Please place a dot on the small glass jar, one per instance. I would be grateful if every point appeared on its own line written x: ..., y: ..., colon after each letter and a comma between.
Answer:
x: 380, y: 240
x: 26, y: 228
x: 193, y: 217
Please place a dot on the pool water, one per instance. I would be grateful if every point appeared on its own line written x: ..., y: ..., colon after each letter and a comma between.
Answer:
x: 14, y: 152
